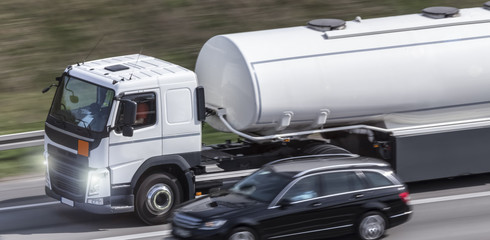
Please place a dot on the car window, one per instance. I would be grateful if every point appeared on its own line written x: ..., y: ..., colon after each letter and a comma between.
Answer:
x: 339, y: 182
x: 377, y: 179
x: 306, y: 188
x: 263, y: 185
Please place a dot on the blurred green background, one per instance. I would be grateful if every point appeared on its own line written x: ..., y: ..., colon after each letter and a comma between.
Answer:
x: 39, y: 38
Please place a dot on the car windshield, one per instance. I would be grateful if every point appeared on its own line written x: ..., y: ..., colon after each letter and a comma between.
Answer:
x: 82, y: 104
x: 263, y: 185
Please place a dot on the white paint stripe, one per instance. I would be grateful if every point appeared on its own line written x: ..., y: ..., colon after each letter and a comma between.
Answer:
x: 224, y: 175
x: 139, y: 235
x: 450, y: 198
x: 28, y: 206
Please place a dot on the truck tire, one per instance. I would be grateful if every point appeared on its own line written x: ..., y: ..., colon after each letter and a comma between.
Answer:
x: 156, y: 197
x: 323, y: 148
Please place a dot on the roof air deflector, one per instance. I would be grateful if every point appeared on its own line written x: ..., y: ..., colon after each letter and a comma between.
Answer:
x: 116, y: 68
x: 324, y: 25
x: 440, y: 12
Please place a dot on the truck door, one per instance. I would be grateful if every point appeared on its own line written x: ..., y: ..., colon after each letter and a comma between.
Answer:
x: 126, y: 154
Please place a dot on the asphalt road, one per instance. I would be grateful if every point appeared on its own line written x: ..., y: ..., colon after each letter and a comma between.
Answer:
x: 446, y: 209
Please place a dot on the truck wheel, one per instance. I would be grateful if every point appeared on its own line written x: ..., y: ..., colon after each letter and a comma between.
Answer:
x: 372, y: 226
x: 156, y: 197
x: 242, y: 233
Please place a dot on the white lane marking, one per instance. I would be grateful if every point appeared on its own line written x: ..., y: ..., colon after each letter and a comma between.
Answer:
x: 139, y: 235
x: 450, y: 198
x: 28, y: 206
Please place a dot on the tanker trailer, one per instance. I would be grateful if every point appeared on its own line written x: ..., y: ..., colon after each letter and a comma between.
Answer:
x: 416, y: 87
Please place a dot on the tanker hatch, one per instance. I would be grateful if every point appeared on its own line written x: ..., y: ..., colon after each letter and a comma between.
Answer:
x: 324, y: 25
x: 440, y: 12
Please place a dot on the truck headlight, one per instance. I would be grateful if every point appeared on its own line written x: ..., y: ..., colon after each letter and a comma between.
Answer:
x: 97, y: 180
x: 46, y: 176
x: 214, y: 224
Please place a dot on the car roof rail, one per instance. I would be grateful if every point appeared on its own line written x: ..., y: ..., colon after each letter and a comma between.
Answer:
x: 313, y: 156
x: 348, y: 165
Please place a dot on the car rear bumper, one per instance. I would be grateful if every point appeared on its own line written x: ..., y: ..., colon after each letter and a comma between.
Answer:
x: 398, y: 219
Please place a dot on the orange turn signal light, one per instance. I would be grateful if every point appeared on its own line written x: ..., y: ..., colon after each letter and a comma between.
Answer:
x: 83, y: 148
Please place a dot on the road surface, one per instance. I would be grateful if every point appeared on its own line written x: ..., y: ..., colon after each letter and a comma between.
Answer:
x: 446, y: 209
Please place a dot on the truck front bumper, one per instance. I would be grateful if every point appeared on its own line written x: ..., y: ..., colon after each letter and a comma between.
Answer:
x: 113, y: 204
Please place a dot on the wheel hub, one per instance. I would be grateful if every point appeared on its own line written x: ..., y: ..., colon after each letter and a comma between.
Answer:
x: 159, y: 199
x: 372, y: 227
x: 242, y: 236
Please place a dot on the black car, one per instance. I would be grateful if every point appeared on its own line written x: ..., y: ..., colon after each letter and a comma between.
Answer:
x: 301, y: 198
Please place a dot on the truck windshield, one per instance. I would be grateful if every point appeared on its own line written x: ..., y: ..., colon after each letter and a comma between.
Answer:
x: 82, y: 104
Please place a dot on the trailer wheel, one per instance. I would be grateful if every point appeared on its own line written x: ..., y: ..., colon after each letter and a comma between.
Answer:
x: 323, y: 148
x: 156, y: 197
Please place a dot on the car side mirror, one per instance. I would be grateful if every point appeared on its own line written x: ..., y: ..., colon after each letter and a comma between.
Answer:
x: 284, y: 203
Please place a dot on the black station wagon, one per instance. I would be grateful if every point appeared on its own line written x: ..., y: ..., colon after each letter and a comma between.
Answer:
x: 301, y: 198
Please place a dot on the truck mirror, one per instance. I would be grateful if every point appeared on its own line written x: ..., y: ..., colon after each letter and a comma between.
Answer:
x: 129, y: 112
x: 201, y: 107
x: 127, y: 131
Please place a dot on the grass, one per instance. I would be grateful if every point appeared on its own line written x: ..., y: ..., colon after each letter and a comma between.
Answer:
x: 40, y: 38
x: 21, y: 161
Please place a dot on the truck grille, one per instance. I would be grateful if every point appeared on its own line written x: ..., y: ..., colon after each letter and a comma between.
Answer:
x: 68, y: 173
x: 185, y: 221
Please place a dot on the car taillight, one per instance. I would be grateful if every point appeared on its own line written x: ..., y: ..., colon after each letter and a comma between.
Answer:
x: 405, y: 196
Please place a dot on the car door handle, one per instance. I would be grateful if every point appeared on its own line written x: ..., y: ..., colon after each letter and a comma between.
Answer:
x: 317, y: 204
x: 358, y: 196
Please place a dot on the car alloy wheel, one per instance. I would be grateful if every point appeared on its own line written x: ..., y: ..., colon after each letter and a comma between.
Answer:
x: 372, y: 226
x: 242, y: 233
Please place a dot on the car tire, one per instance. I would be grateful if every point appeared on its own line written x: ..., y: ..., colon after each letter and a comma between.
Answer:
x: 156, y: 197
x: 242, y: 233
x: 371, y: 226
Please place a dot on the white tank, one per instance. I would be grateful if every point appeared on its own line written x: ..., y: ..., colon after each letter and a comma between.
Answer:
x: 399, y: 67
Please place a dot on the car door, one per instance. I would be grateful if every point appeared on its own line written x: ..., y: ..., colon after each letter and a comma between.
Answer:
x: 344, y: 196
x: 298, y: 218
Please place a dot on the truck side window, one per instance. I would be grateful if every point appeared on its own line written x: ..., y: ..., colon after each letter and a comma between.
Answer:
x: 145, y: 110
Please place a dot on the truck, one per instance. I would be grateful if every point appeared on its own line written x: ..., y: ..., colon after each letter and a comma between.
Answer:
x: 123, y: 134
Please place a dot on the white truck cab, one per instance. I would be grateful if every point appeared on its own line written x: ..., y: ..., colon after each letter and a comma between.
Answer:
x: 93, y: 158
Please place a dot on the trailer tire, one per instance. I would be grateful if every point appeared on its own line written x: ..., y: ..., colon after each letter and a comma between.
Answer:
x: 156, y: 197
x: 323, y: 148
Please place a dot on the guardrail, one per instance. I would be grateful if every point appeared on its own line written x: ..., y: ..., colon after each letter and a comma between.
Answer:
x: 21, y: 140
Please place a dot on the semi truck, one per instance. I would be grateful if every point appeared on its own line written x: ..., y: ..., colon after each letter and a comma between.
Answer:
x: 124, y: 133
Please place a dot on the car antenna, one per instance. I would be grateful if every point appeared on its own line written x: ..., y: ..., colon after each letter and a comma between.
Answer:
x: 97, y: 44
x: 137, y: 59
